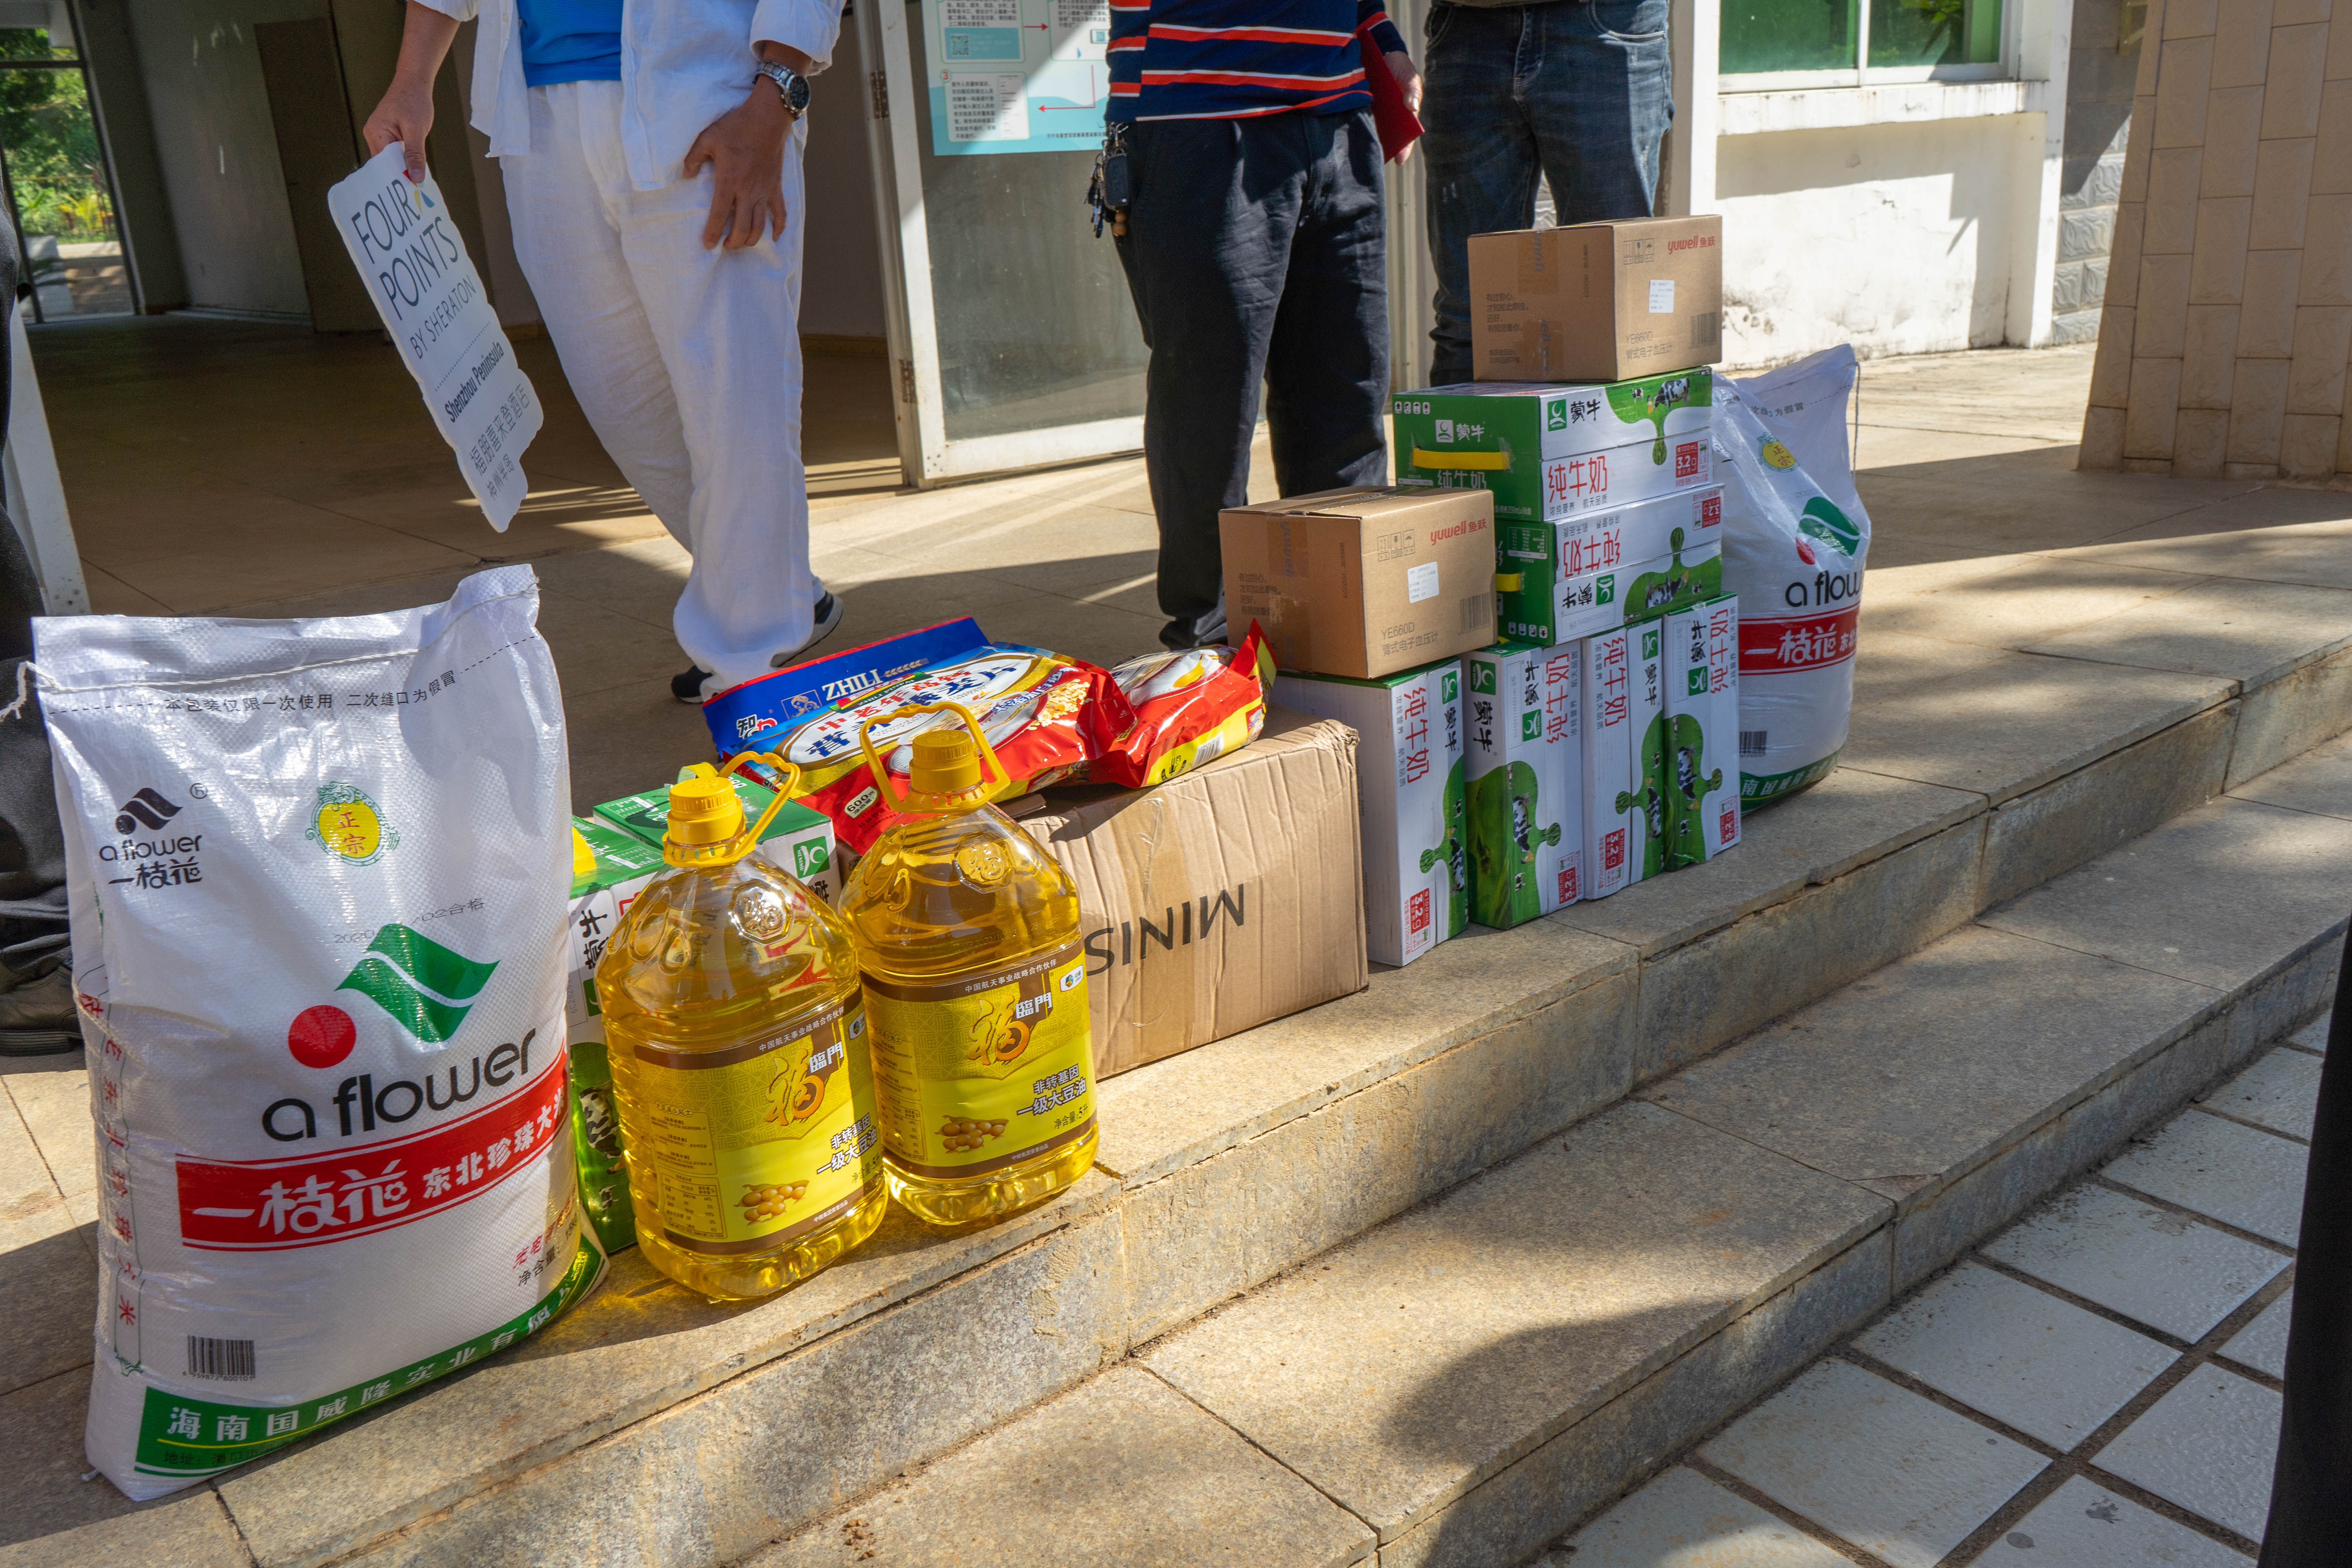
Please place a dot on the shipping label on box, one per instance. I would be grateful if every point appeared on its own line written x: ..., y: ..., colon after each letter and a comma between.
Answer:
x: 1598, y: 302
x: 798, y: 841
x: 1409, y: 775
x: 1555, y: 582
x: 1703, y: 730
x: 1521, y: 742
x: 1606, y: 708
x: 1684, y: 576
x: 1363, y: 583
x: 1645, y: 646
x: 618, y: 867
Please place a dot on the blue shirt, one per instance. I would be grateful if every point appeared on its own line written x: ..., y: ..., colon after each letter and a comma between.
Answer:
x: 570, y: 40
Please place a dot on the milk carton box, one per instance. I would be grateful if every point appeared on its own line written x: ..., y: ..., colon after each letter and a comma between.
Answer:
x: 798, y: 840
x: 1703, y: 730
x: 1548, y: 451
x: 1522, y: 742
x: 1645, y: 853
x: 609, y: 868
x: 1555, y: 582
x: 1683, y: 575
x: 1409, y: 792
x: 1606, y: 708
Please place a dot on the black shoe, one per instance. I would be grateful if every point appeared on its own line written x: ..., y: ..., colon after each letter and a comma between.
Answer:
x: 38, y: 1017
x: 687, y: 686
x: 1206, y: 630
x: 825, y: 619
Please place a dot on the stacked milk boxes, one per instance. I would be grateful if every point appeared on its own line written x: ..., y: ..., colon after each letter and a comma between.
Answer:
x: 1590, y: 735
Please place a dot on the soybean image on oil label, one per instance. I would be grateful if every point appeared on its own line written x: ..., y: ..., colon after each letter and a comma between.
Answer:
x: 754, y: 1146
x: 983, y: 1071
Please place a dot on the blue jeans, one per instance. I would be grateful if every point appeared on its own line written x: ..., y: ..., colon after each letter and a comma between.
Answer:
x: 1580, y: 89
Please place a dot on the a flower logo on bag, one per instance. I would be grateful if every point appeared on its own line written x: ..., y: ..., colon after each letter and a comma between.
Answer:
x: 347, y: 825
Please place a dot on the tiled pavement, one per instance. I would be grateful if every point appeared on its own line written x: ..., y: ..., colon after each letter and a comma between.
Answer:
x: 2095, y: 1387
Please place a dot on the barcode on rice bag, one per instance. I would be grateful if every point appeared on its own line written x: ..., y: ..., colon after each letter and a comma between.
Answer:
x: 1477, y: 612
x: 1753, y: 743
x: 219, y: 1358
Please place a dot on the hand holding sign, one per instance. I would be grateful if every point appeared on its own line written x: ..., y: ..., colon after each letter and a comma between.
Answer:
x: 409, y: 252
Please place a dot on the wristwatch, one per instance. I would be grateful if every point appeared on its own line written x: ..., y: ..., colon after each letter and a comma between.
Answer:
x: 790, y: 83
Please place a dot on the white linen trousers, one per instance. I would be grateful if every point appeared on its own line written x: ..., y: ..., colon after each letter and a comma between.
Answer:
x: 686, y: 361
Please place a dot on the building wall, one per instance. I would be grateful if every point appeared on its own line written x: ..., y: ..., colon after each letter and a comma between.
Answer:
x: 2098, y: 123
x: 1898, y: 238
x: 2228, y: 324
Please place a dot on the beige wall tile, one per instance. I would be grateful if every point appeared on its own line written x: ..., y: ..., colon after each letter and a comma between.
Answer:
x: 2327, y: 251
x: 2181, y: 82
x: 2103, y: 439
x: 2233, y: 131
x: 2257, y: 409
x: 2331, y: 170
x: 2151, y: 32
x: 2282, y: 191
x: 2172, y: 195
x: 2163, y: 310
x: 2266, y: 326
x: 2242, y: 43
x: 2137, y: 148
x: 2291, y: 95
x: 2209, y: 357
x: 2339, y: 53
x: 2218, y: 274
x: 2307, y: 446
x: 2111, y: 367
x: 2287, y: 13
x: 2200, y: 436
x: 2148, y: 423
x: 2261, y: 472
x: 2122, y: 256
x: 2323, y: 342
x: 2189, y: 18
x: 2344, y: 448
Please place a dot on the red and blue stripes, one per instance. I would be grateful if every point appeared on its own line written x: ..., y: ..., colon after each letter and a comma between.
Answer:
x: 1230, y: 60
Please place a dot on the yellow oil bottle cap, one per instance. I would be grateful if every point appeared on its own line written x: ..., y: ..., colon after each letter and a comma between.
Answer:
x: 703, y: 812
x: 945, y: 762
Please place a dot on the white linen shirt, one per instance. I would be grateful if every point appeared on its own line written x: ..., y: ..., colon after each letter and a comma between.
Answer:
x: 684, y: 63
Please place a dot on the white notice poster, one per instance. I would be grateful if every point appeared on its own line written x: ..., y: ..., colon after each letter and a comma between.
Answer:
x: 409, y: 253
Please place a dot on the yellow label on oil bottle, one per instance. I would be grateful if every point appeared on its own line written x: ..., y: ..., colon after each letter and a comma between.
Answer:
x: 983, y: 1071
x: 756, y: 1146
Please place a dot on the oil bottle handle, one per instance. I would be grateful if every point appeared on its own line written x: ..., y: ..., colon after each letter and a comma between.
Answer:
x: 897, y: 800
x: 788, y: 779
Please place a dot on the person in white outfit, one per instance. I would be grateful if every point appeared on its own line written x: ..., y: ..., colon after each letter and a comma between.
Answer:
x: 652, y: 153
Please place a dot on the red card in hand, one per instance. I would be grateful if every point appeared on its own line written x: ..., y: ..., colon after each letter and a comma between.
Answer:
x: 1396, y: 125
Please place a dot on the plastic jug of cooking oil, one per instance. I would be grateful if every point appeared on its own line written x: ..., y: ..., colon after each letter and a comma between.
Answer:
x: 967, y: 938
x: 736, y: 1032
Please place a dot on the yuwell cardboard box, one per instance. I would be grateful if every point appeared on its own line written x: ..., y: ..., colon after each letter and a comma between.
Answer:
x: 1363, y: 583
x: 1558, y: 581
x: 1646, y: 851
x: 1597, y: 301
x: 1521, y: 745
x: 1409, y: 779
x: 1703, y: 730
x: 1548, y: 452
x: 616, y: 867
x: 799, y: 840
x: 1225, y: 897
x: 1605, y: 709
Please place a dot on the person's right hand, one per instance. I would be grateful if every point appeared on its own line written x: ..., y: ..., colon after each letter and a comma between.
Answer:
x: 405, y: 116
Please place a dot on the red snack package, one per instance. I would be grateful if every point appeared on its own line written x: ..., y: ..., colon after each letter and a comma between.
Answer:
x: 1189, y: 706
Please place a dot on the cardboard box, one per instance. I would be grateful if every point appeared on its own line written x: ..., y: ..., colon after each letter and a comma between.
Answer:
x: 620, y: 865
x: 1646, y: 854
x: 1703, y: 730
x: 1450, y: 427
x: 1534, y: 488
x: 1409, y: 783
x: 1682, y: 577
x: 799, y: 841
x: 1363, y: 583
x: 1226, y: 897
x: 1597, y: 301
x: 1606, y: 711
x: 1522, y: 745
x: 1555, y: 582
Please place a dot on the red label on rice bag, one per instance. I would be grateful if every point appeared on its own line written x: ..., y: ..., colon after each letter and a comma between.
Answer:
x: 1813, y: 642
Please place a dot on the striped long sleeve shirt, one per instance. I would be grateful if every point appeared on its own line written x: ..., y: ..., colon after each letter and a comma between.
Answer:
x: 1227, y: 59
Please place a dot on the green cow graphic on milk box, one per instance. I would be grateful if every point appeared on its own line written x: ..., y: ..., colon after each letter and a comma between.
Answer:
x: 1521, y: 745
x: 1702, y: 763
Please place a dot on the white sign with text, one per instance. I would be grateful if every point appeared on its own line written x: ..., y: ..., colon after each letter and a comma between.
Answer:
x: 409, y: 252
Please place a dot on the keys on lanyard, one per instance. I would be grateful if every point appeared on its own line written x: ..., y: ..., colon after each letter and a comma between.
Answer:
x: 1110, y: 191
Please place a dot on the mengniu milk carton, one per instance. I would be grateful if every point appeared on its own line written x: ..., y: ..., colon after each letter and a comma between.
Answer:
x: 1555, y: 582
x: 609, y: 868
x: 1645, y: 648
x: 1521, y: 745
x: 1703, y: 730
x: 1607, y: 719
x: 1409, y: 774
x: 1546, y: 452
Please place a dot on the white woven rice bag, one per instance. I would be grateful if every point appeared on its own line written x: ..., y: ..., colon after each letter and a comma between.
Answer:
x: 1795, y: 538
x: 317, y: 872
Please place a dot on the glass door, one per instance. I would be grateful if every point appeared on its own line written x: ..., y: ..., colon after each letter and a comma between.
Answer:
x: 1014, y: 338
x: 53, y: 167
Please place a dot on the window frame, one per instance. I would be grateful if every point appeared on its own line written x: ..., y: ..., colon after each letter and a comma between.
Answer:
x: 1862, y: 73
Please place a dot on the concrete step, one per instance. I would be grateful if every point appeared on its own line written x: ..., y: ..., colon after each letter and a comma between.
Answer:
x: 651, y: 1427
x: 1471, y: 1379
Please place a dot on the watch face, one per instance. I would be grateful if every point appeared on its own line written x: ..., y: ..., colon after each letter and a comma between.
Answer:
x: 796, y: 93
